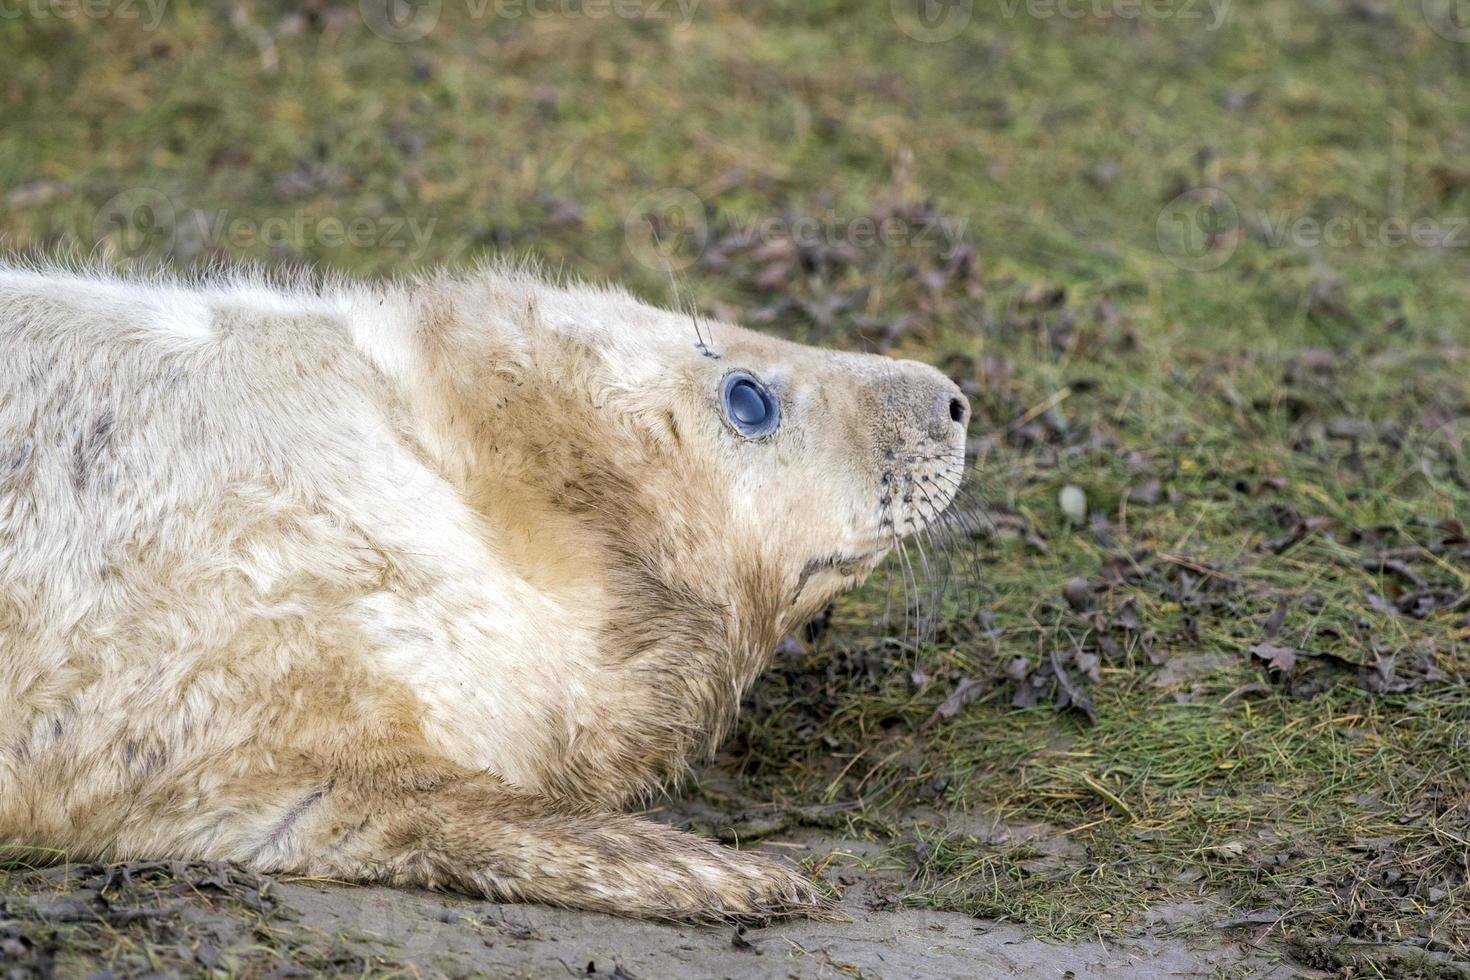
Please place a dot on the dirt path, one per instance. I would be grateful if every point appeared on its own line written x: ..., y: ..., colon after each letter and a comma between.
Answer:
x: 874, y: 936
x: 152, y: 918
x: 449, y: 936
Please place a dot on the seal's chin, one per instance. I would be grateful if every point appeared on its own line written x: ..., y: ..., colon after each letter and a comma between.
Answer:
x: 844, y: 564
x: 828, y: 575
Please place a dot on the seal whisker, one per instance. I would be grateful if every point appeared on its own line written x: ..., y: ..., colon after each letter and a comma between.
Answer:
x: 968, y: 520
x: 910, y: 595
x: 938, y: 516
x: 954, y: 485
x: 923, y: 621
x: 966, y: 523
x: 946, y: 544
x: 944, y: 455
x: 939, y: 584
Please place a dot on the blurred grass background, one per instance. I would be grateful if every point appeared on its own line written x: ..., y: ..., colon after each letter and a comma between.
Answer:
x: 1267, y: 423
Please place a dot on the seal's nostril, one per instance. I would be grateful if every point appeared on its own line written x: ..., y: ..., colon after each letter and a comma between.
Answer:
x: 957, y: 410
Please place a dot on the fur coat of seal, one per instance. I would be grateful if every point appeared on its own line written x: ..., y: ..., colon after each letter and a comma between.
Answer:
x: 420, y: 583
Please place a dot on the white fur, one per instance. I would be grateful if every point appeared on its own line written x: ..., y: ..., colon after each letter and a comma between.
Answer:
x: 243, y: 521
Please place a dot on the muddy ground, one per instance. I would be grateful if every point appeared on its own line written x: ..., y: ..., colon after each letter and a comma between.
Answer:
x: 180, y: 919
x: 155, y: 919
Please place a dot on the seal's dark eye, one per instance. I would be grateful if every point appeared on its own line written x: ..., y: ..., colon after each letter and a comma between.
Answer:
x: 749, y: 406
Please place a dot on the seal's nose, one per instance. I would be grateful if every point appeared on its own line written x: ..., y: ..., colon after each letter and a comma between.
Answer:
x: 959, y: 408
x: 950, y: 412
x: 927, y: 401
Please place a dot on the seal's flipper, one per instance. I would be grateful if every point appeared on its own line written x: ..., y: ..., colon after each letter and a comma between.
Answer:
x: 473, y: 835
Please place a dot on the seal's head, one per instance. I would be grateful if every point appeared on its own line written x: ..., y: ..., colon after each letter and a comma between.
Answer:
x: 675, y: 496
x: 707, y: 474
x: 814, y: 463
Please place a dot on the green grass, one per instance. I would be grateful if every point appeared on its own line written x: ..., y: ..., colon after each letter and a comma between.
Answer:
x: 1297, y: 382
